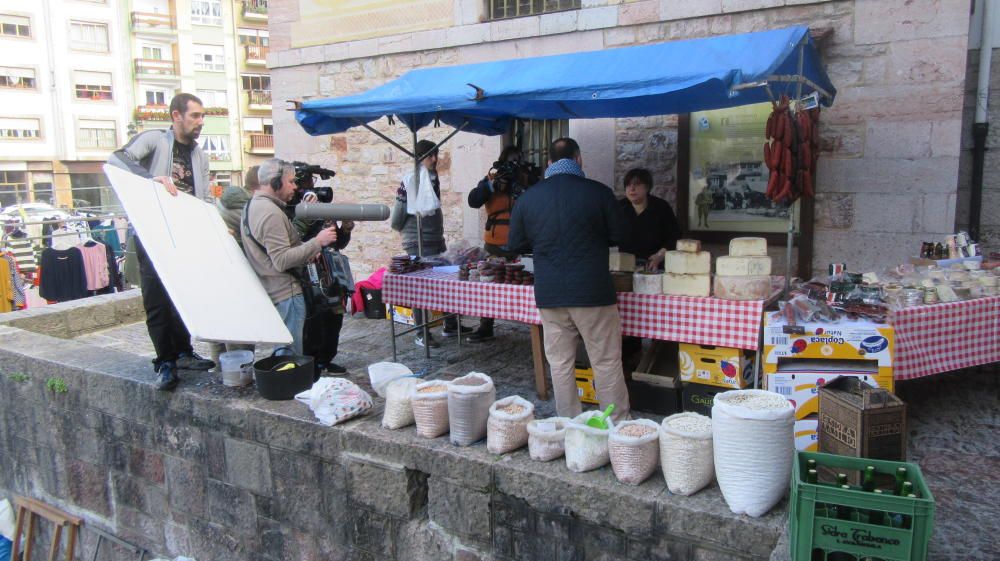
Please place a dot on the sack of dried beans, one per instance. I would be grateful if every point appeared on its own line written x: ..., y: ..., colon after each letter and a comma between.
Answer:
x: 429, y: 401
x: 507, y: 428
x: 634, y: 450
x: 546, y: 438
x: 469, y: 400
x: 686, y: 452
x: 586, y: 447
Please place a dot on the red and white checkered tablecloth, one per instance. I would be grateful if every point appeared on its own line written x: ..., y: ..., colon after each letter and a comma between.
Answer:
x: 944, y: 337
x: 704, y: 321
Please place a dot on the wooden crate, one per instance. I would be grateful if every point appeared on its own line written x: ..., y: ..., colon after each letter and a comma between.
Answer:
x: 858, y: 420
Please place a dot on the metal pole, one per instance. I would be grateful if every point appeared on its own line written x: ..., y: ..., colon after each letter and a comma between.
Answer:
x: 425, y: 330
x: 788, y: 250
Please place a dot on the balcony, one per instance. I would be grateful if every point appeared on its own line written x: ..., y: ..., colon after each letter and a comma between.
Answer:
x: 256, y: 55
x: 154, y: 68
x: 255, y: 10
x: 158, y: 24
x: 261, y: 143
x: 259, y: 100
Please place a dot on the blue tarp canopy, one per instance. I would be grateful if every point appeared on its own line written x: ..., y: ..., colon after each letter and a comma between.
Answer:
x: 659, y: 79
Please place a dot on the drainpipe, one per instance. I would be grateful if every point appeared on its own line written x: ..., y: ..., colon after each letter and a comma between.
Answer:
x: 981, y: 126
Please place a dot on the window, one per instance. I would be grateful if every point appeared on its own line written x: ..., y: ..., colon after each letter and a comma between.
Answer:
x: 501, y: 9
x: 534, y: 138
x: 85, y: 36
x: 210, y: 58
x: 15, y: 26
x: 92, y: 85
x: 215, y: 145
x: 96, y: 135
x: 222, y: 178
x: 156, y: 97
x: 20, y: 129
x: 152, y: 52
x: 17, y: 78
x: 253, y: 36
x: 212, y: 98
x: 257, y: 124
x: 256, y: 81
x: 13, y: 188
x: 206, y: 12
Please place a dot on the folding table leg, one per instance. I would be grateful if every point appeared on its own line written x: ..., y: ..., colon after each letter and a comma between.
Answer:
x: 538, y: 357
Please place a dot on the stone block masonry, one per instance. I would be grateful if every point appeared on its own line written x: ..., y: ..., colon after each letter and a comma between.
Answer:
x: 222, y: 478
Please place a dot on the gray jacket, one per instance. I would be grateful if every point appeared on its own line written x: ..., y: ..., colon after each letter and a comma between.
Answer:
x: 432, y: 227
x: 150, y: 154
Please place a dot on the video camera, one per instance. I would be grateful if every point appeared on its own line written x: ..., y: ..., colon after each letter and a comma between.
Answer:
x: 324, y: 208
x: 515, y: 176
x: 305, y: 183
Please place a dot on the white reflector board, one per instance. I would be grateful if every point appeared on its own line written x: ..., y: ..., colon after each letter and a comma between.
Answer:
x: 209, y: 280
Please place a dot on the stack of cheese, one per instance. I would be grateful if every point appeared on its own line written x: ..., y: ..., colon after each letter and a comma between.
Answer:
x: 620, y: 262
x: 688, y: 270
x: 744, y: 274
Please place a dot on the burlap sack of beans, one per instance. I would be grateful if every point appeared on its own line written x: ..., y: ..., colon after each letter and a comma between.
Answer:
x: 430, y: 408
x: 507, y: 427
x: 634, y: 450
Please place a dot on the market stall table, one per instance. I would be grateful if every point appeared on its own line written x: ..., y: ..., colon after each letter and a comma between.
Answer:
x: 685, y: 319
x: 944, y: 337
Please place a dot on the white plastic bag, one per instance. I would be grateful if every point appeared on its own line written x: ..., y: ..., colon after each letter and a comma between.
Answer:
x: 7, y: 520
x: 753, y: 438
x: 420, y: 201
x: 429, y: 401
x: 335, y: 400
x: 469, y: 400
x: 507, y: 427
x: 686, y: 452
x: 398, y: 409
x: 382, y: 373
x: 547, y: 438
x: 634, y: 456
x: 586, y: 447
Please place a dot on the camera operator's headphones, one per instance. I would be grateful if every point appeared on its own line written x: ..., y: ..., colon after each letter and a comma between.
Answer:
x: 276, y: 181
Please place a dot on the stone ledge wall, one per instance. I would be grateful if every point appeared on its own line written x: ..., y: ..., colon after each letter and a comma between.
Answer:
x: 220, y: 474
x: 67, y: 320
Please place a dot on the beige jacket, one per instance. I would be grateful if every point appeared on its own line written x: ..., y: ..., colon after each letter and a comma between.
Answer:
x: 285, y: 249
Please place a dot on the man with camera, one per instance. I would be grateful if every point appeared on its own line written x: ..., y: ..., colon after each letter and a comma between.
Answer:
x: 275, y: 249
x: 497, y: 192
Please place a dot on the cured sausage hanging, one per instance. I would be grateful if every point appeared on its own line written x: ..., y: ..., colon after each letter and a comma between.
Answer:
x: 791, y: 152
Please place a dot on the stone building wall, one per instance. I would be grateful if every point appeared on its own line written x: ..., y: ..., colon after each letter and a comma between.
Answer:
x: 888, y: 174
x: 989, y: 221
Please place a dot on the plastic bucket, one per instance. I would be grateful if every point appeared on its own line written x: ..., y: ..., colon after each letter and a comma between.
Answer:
x: 283, y: 384
x: 237, y: 368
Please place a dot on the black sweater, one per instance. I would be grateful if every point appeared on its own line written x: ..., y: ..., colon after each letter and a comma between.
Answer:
x: 655, y: 228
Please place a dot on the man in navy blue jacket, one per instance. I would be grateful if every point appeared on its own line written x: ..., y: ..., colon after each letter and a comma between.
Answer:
x: 568, y: 223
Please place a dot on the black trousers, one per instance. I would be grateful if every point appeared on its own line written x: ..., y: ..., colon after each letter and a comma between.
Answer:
x: 321, y: 335
x: 166, y: 329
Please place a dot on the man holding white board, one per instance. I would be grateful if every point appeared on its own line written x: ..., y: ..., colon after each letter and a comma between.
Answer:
x: 173, y: 158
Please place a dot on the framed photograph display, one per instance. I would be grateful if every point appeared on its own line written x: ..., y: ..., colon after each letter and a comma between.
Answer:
x: 722, y: 179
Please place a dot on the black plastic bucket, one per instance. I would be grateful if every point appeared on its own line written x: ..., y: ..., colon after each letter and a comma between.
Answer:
x: 286, y: 383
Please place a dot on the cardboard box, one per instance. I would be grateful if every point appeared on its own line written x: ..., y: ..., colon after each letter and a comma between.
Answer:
x: 404, y: 315
x: 858, y: 420
x: 654, y: 393
x: 699, y: 398
x: 857, y: 340
x: 585, y: 385
x: 800, y: 381
x: 725, y: 367
x: 806, y: 435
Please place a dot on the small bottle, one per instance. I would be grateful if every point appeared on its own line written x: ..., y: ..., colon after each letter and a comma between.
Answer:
x: 841, y: 479
x: 900, y: 479
x: 843, y: 512
x: 812, y: 476
x: 868, y: 483
x: 940, y: 251
x: 876, y: 516
x: 907, y: 489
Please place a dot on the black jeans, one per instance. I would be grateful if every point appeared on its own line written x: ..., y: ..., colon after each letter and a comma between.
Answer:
x: 321, y: 335
x: 166, y: 329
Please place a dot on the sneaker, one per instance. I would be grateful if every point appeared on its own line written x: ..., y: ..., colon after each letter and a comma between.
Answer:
x: 334, y: 368
x: 430, y: 342
x: 192, y: 361
x: 453, y: 332
x: 479, y: 336
x: 166, y: 376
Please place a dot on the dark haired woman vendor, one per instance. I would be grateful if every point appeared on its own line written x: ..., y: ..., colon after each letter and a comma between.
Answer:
x: 651, y: 221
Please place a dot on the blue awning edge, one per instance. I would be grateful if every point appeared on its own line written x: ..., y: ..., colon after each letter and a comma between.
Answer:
x: 657, y: 79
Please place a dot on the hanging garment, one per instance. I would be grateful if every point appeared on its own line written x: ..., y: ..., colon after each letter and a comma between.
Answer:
x: 66, y: 238
x: 116, y: 282
x: 19, y: 244
x: 63, y: 277
x: 95, y: 264
x: 6, y: 288
x: 108, y: 235
x: 20, y: 300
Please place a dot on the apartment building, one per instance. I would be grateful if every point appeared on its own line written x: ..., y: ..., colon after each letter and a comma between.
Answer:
x: 64, y: 94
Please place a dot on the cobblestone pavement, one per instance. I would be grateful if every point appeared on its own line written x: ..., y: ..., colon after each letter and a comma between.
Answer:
x: 953, y: 418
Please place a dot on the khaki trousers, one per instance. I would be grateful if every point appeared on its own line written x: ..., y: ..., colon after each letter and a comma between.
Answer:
x: 601, y: 330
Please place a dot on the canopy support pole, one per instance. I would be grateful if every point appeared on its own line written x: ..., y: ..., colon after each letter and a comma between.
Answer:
x: 425, y: 330
x: 385, y: 138
x: 791, y: 208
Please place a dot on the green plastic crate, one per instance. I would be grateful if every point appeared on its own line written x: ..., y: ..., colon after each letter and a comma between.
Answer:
x: 819, y: 531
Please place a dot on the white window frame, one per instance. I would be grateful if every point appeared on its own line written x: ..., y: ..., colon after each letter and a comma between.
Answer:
x: 97, y: 130
x: 206, y: 12
x: 95, y: 45
x: 217, y: 146
x: 15, y: 74
x: 251, y: 76
x: 213, y: 98
x: 209, y: 58
x: 146, y: 90
x: 17, y: 21
x: 257, y: 34
x: 153, y: 47
x: 94, y: 82
x: 15, y: 127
